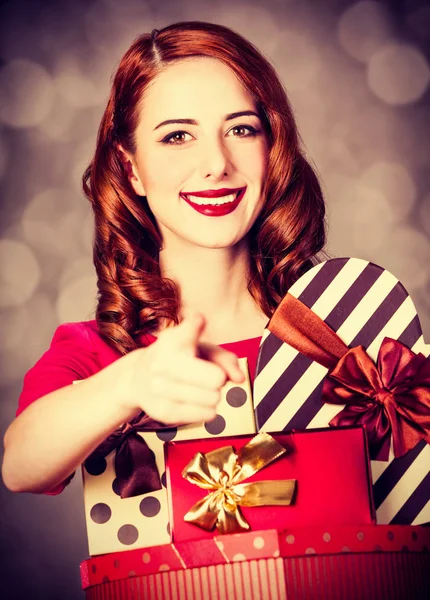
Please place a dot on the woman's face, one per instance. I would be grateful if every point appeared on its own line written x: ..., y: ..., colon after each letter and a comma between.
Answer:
x: 200, y: 143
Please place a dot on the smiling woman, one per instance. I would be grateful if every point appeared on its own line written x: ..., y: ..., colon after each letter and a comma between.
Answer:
x: 206, y: 211
x: 197, y: 113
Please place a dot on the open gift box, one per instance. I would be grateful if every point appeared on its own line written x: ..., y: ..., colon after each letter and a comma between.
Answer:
x: 345, y: 347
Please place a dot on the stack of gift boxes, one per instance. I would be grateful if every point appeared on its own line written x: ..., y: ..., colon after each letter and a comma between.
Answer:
x: 331, y: 504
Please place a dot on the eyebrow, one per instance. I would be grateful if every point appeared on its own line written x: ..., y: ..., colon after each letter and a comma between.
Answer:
x: 230, y: 117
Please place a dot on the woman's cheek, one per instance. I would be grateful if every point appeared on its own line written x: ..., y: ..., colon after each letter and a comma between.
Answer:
x: 172, y: 167
x: 253, y: 161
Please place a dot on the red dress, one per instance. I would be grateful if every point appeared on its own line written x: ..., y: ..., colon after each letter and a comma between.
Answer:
x: 78, y: 351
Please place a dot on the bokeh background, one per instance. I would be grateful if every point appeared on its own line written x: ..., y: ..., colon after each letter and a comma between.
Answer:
x: 358, y: 76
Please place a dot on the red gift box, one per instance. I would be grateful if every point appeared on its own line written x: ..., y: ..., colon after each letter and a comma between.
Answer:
x: 331, y: 467
x: 332, y: 563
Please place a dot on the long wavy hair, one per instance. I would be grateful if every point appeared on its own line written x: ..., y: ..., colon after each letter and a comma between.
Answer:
x: 133, y: 297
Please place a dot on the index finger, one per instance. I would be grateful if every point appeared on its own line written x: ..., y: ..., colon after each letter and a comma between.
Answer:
x: 225, y: 359
x: 199, y: 372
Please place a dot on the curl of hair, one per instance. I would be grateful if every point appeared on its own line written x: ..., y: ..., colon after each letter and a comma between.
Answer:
x: 133, y: 297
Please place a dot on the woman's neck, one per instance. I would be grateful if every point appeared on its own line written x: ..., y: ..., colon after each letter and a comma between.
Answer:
x: 213, y: 281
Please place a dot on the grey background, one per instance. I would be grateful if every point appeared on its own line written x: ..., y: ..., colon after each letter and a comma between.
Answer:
x: 358, y: 76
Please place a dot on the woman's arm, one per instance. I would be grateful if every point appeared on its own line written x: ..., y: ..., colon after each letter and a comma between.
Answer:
x: 175, y: 380
x: 57, y: 432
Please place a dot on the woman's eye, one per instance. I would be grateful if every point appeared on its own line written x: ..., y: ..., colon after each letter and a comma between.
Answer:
x: 243, y: 131
x: 176, y: 138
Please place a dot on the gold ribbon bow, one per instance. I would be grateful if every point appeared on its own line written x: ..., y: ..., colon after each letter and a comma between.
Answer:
x: 222, y: 471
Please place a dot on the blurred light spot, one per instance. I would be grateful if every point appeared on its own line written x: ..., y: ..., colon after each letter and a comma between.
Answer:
x: 371, y: 218
x: 419, y: 125
x: 80, y: 160
x: 132, y: 9
x: 26, y: 93
x: 254, y: 22
x: 43, y: 323
x: 116, y: 29
x: 352, y: 209
x: 186, y: 11
x: 59, y: 124
x: 402, y: 250
x: 371, y: 205
x: 13, y: 366
x: 52, y: 221
x: 3, y: 157
x: 87, y: 232
x: 381, y: 132
x: 424, y: 213
x: 362, y: 214
x: 363, y: 28
x: 13, y: 327
x: 398, y: 74
x: 77, y: 299
x: 395, y: 184
x: 76, y: 269
x: 338, y: 188
x: 310, y: 115
x: 297, y: 60
x: 339, y: 154
x: 77, y: 90
x: 19, y: 273
x: 27, y: 346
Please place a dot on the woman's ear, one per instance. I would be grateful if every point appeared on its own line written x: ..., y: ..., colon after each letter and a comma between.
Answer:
x: 132, y: 171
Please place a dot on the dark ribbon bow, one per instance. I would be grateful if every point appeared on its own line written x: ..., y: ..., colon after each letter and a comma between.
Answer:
x: 391, y: 397
x: 135, y: 466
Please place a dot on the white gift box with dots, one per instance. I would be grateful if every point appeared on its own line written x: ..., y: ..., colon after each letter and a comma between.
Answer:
x: 116, y: 524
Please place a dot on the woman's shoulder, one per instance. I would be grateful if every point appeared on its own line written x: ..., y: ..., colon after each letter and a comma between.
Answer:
x: 77, y: 351
x: 84, y: 338
x: 84, y: 329
x: 85, y: 332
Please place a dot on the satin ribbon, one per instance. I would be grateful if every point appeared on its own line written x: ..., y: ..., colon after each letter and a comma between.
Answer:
x: 222, y: 471
x: 135, y: 466
x: 389, y: 398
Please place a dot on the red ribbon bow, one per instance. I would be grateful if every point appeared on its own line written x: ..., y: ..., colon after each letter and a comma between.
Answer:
x: 391, y: 397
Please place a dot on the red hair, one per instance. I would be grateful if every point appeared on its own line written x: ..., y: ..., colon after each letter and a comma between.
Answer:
x: 133, y: 296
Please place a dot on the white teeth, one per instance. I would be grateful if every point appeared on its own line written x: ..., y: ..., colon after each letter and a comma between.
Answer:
x: 212, y: 201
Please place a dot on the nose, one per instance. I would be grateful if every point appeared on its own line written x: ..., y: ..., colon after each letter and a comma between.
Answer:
x: 215, y: 161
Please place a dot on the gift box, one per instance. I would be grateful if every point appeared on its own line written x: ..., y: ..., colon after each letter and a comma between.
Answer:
x: 345, y: 346
x: 361, y: 562
x: 232, y: 484
x: 118, y: 517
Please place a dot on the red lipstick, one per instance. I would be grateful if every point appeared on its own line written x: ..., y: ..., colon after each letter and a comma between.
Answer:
x: 213, y: 210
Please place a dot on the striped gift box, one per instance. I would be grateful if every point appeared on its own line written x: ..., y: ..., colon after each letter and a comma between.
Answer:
x: 362, y: 303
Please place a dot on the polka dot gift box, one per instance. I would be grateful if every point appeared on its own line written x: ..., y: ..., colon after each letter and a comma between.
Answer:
x: 116, y: 523
x: 345, y: 347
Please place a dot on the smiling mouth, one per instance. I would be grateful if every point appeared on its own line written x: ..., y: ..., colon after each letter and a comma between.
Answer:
x: 212, y: 201
x: 215, y: 203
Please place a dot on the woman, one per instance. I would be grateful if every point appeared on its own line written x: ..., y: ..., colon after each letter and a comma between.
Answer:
x: 206, y: 211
